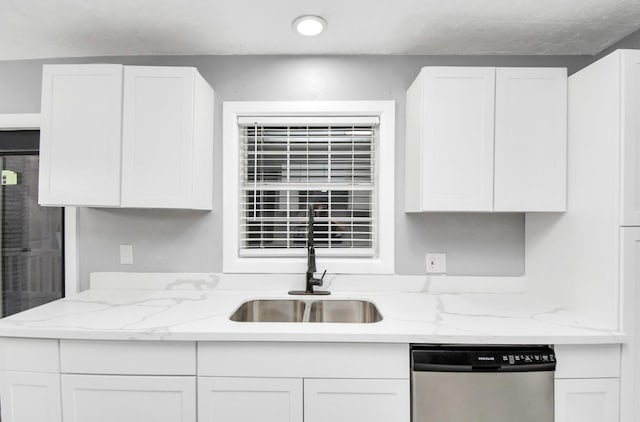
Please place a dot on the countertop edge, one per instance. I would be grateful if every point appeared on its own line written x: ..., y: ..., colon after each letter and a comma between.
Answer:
x: 605, y: 338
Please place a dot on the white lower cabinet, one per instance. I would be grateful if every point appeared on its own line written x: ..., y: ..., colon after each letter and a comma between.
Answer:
x: 275, y: 381
x: 587, y: 400
x: 587, y: 384
x: 281, y: 399
x: 249, y: 399
x: 104, y: 381
x: 30, y: 397
x: 108, y: 398
x: 346, y: 400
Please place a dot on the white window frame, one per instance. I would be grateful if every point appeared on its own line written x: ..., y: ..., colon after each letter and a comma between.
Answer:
x: 383, y: 261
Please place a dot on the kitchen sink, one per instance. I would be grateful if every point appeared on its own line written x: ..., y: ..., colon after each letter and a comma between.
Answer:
x: 270, y: 311
x: 275, y: 310
x: 350, y: 311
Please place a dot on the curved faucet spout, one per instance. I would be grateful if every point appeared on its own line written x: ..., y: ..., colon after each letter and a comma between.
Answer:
x: 311, y: 251
x: 311, y: 263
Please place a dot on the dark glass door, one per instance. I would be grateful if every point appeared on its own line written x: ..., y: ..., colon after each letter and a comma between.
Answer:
x: 32, y: 236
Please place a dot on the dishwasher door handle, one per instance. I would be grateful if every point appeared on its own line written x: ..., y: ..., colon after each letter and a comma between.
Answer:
x: 441, y: 367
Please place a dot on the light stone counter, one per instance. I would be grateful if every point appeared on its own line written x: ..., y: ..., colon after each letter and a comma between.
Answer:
x: 415, y: 309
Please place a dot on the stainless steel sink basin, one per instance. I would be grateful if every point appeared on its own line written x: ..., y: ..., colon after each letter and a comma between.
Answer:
x: 270, y: 311
x: 349, y: 311
x: 283, y: 310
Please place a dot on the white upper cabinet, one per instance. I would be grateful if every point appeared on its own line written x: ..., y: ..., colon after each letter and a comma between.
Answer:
x: 531, y: 139
x: 167, y: 138
x: 80, y: 135
x: 126, y: 136
x: 450, y: 140
x: 486, y: 139
x: 629, y: 61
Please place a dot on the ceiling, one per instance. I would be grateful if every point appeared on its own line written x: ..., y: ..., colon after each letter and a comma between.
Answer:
x: 77, y: 28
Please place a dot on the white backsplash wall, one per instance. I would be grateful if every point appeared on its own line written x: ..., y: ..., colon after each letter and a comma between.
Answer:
x: 191, y: 241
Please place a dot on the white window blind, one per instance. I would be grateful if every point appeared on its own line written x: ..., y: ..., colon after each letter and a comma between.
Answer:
x: 285, y: 168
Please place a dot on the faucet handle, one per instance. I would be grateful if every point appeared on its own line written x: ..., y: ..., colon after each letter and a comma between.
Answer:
x: 317, y: 281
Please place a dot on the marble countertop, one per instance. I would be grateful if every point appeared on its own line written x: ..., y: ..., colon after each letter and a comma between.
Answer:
x: 197, y: 308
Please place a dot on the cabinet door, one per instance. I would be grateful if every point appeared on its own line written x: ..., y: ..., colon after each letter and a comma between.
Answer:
x: 457, y: 144
x: 157, y: 137
x: 586, y: 400
x: 347, y: 400
x: 80, y: 138
x: 531, y: 139
x: 630, y: 154
x: 249, y: 399
x: 106, y: 398
x: 630, y: 359
x: 29, y: 397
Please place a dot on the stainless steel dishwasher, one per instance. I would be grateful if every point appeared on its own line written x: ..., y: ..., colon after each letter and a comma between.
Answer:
x: 453, y: 383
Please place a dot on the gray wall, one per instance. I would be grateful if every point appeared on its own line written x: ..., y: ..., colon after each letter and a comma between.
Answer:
x: 631, y: 41
x: 176, y: 240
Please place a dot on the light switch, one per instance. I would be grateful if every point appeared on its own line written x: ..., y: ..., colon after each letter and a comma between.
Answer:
x: 436, y: 263
x: 126, y: 254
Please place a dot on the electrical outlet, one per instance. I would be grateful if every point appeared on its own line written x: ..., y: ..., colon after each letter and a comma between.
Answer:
x: 126, y: 254
x: 436, y: 263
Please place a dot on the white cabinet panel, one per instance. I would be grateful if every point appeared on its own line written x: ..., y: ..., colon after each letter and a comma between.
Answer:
x: 128, y: 357
x: 530, y: 139
x: 157, y: 138
x: 30, y: 397
x: 630, y: 137
x: 586, y: 400
x: 291, y: 360
x: 249, y: 399
x: 587, y: 360
x: 80, y: 138
x: 458, y: 128
x: 29, y: 354
x: 630, y: 362
x: 345, y: 400
x: 106, y: 398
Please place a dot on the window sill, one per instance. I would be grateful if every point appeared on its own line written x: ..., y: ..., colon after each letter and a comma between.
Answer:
x: 299, y: 265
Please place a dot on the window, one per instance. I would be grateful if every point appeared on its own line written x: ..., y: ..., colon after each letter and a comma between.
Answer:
x: 284, y: 170
x: 282, y: 160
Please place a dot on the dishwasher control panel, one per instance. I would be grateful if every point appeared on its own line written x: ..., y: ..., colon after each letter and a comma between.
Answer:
x: 454, y: 358
x: 520, y: 359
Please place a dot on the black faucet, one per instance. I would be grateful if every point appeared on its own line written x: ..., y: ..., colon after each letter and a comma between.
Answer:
x: 311, y: 264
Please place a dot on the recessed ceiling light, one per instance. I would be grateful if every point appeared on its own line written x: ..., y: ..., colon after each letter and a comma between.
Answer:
x: 309, y: 25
